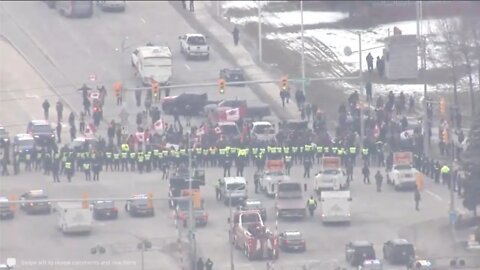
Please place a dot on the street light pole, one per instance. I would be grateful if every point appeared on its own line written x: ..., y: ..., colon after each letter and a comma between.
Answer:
x: 360, y: 78
x: 260, y: 49
x: 303, y: 46
x: 191, y: 237
x: 230, y: 214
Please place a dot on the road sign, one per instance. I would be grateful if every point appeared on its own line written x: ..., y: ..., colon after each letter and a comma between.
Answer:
x: 93, y: 77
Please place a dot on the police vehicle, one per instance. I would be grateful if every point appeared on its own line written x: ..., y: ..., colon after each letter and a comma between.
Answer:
x: 35, y: 207
x: 104, y: 210
x: 41, y: 131
x: 4, y: 137
x: 140, y: 205
x: 23, y: 144
x: 6, y: 211
x: 398, y: 251
x: 233, y: 75
x: 292, y: 241
x: 357, y: 252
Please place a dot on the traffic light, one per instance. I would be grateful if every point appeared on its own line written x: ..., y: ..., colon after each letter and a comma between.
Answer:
x: 150, y: 200
x: 445, y: 135
x: 117, y: 86
x: 221, y: 86
x: 85, y: 201
x: 443, y: 105
x: 155, y: 90
x: 284, y: 83
x: 197, y: 200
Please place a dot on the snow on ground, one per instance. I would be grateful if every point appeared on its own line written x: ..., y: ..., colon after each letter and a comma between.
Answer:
x: 337, y: 39
x: 244, y: 4
x: 293, y: 18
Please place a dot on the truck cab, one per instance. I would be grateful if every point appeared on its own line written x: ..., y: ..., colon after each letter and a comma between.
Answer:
x: 253, y: 237
x: 269, y: 181
x: 403, y: 174
x: 331, y: 176
x: 74, y: 218
x: 234, y: 190
x: 153, y: 63
x: 290, y: 201
x: 263, y: 131
x: 194, y: 45
x: 200, y: 215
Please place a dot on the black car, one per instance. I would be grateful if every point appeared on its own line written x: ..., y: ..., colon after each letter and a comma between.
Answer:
x: 252, y: 204
x: 181, y: 104
x: 359, y: 251
x: 41, y: 207
x: 292, y: 241
x: 41, y: 131
x: 104, y: 210
x: 233, y: 75
x: 140, y: 206
x: 6, y: 211
x: 398, y: 251
x: 4, y: 137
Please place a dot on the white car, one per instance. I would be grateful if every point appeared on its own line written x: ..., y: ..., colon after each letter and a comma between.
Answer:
x: 194, y: 45
x: 112, y: 5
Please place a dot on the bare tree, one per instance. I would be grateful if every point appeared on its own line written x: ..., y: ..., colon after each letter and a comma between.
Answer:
x: 466, y: 48
x: 448, y: 28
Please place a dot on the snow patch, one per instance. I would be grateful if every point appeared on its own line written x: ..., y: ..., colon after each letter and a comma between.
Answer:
x: 244, y: 4
x: 293, y: 18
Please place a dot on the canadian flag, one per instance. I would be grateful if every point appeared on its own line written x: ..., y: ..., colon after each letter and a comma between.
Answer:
x: 218, y: 130
x: 140, y: 136
x: 201, y: 131
x: 159, y: 125
x: 233, y: 114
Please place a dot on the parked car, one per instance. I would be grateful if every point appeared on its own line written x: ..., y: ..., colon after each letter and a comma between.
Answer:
x: 104, y: 210
x: 357, y: 252
x: 233, y: 75
x: 179, y: 103
x: 398, y: 251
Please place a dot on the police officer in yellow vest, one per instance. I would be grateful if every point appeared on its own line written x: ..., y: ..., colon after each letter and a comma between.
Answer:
x: 87, y: 169
x: 116, y: 161
x: 124, y: 159
x: 69, y: 169
x: 311, y: 205
x: 445, y: 171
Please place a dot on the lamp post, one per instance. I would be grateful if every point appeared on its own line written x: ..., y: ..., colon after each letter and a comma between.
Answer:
x: 260, y: 49
x: 303, y: 46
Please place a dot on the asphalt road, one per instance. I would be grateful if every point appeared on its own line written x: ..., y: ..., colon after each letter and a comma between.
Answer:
x: 78, y: 48
x: 68, y: 51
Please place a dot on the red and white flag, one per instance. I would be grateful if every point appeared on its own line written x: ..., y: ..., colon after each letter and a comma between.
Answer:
x: 233, y: 114
x: 159, y: 125
x: 376, y: 131
x: 218, y: 130
x: 140, y: 136
x: 201, y: 131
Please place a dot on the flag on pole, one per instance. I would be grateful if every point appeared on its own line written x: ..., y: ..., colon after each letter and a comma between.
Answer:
x: 159, y: 125
x: 233, y: 114
x: 140, y: 136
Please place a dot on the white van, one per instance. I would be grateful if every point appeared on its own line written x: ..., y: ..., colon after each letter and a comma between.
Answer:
x: 234, y: 189
x: 153, y: 62
x: 335, y: 206
x: 75, y: 8
x: 73, y: 218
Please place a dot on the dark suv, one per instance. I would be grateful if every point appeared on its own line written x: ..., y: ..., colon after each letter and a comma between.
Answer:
x: 359, y: 251
x: 41, y: 131
x: 398, y: 251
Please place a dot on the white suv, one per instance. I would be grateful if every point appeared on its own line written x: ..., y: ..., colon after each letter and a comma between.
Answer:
x: 194, y: 45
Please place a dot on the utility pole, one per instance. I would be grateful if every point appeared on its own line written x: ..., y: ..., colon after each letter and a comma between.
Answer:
x: 191, y: 224
x: 360, y: 79
x: 230, y: 214
x: 303, y: 46
x: 260, y: 49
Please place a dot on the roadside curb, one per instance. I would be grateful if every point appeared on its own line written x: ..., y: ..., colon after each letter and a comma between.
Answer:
x: 223, y: 51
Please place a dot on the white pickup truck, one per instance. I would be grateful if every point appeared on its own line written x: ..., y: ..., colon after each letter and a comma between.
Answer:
x: 331, y: 176
x: 194, y: 45
x: 403, y: 174
x: 153, y: 63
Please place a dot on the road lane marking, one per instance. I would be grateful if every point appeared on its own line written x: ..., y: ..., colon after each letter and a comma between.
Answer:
x: 188, y: 67
x: 434, y: 195
x: 32, y: 96
x: 143, y: 20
